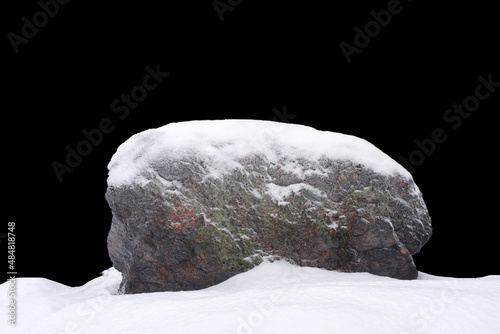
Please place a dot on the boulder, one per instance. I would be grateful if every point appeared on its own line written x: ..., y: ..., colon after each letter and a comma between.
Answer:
x: 195, y: 203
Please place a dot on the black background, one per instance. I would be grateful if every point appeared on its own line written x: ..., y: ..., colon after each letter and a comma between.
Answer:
x: 260, y: 57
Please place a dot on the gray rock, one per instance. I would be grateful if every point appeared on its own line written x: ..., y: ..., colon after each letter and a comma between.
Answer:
x: 180, y: 224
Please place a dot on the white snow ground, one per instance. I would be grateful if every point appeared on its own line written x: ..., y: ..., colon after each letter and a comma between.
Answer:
x: 271, y: 298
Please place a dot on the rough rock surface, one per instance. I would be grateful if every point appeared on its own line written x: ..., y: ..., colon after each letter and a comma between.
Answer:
x: 189, y: 212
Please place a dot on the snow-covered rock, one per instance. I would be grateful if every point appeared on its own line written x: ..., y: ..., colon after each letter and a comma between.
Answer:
x: 196, y: 203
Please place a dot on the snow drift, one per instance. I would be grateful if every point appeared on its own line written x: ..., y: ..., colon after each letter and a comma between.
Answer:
x: 271, y: 298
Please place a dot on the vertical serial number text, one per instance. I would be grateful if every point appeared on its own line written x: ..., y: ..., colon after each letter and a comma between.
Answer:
x: 11, y: 273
